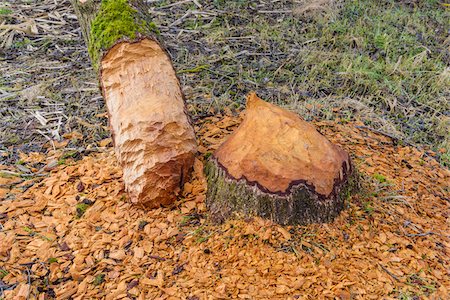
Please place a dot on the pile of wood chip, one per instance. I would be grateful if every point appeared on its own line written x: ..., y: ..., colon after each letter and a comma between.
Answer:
x: 73, y: 235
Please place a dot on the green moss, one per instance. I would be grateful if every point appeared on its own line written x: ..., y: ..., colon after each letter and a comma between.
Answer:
x: 115, y: 20
x: 52, y: 260
x: 81, y: 209
x: 379, y: 177
x: 99, y: 279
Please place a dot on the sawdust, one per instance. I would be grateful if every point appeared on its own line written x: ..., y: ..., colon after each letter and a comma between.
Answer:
x: 74, y: 235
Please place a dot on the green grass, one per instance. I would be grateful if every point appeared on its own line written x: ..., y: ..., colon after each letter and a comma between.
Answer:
x: 380, y: 178
x: 445, y: 157
x: 52, y: 260
x: 382, y: 49
x: 5, y: 11
x: 368, y: 208
x: 386, y: 62
x: 201, y: 235
x: 7, y: 175
x: 31, y: 232
x: 22, y: 43
x: 389, y: 56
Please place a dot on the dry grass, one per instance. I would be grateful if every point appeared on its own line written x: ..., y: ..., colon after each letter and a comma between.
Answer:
x: 313, y: 8
x: 389, y: 58
x: 47, y: 87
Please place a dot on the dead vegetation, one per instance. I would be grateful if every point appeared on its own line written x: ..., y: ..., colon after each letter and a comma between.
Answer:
x: 312, y: 8
x: 47, y: 87
x: 386, y: 62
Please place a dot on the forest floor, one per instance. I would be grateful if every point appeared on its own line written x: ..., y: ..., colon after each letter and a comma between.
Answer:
x: 70, y: 233
x: 372, y: 75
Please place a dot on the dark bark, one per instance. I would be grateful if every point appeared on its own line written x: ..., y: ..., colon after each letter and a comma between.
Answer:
x: 228, y: 197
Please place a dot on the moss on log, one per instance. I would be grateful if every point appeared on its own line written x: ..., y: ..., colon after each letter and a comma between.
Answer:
x: 278, y: 167
x: 107, y: 22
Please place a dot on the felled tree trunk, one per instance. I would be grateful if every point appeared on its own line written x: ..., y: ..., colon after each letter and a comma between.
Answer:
x: 153, y: 138
x: 277, y: 166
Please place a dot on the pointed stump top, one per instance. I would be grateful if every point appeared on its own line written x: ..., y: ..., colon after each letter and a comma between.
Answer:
x: 277, y: 166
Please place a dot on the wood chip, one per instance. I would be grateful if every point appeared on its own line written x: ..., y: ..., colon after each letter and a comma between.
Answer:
x: 178, y: 254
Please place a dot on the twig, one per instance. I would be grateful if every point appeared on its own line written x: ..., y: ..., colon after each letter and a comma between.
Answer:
x: 402, y: 200
x: 23, y: 174
x: 157, y: 257
x: 421, y: 234
x: 6, y: 287
x: 197, y: 3
x: 309, y: 41
x: 174, y: 4
x: 390, y: 274
x: 281, y: 66
x: 180, y: 20
x: 274, y: 11
x: 9, y: 186
x: 29, y: 282
x: 392, y: 137
x: 245, y: 52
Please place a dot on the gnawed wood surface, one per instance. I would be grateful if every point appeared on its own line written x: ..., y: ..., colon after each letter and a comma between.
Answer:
x: 277, y: 166
x: 153, y: 138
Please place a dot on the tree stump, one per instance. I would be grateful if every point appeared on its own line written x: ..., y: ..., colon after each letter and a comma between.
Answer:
x: 153, y: 138
x: 277, y: 166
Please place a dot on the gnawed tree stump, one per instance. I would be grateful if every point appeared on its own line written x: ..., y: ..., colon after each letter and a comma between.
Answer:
x: 153, y: 138
x: 277, y: 166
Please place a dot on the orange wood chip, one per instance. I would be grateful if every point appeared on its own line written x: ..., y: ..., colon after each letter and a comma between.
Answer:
x: 392, y: 241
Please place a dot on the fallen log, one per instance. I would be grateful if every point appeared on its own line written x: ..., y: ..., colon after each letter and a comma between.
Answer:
x: 277, y: 166
x: 153, y: 138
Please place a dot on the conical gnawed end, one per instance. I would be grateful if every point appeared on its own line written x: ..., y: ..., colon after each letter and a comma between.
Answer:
x: 277, y: 155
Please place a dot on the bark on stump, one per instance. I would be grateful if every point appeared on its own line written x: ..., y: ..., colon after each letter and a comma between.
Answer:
x: 277, y: 166
x: 153, y: 137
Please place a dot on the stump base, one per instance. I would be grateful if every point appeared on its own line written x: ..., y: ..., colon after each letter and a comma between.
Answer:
x: 300, y: 205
